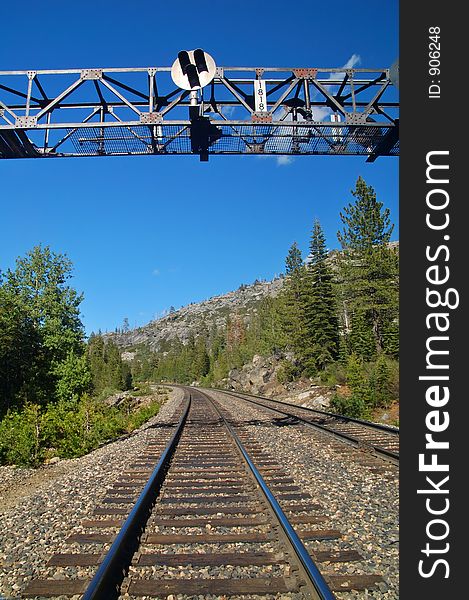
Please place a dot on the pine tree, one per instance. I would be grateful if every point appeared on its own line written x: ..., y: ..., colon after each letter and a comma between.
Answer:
x: 380, y: 383
x: 106, y: 366
x: 361, y: 338
x: 202, y: 359
x: 391, y: 338
x: 96, y: 361
x: 357, y: 381
x: 368, y: 266
x: 113, y: 362
x: 265, y: 331
x: 294, y: 261
x: 343, y: 349
x: 320, y: 304
x: 293, y: 298
x: 126, y: 376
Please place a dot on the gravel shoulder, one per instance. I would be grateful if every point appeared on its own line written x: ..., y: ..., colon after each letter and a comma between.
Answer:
x: 37, y: 506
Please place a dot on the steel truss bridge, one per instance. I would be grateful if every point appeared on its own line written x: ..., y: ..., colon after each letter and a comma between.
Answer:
x: 244, y: 110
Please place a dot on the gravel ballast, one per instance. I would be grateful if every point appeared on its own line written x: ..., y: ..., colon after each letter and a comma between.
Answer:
x: 40, y: 508
x: 362, y: 504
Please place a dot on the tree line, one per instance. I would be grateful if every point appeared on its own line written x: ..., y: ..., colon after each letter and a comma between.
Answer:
x: 336, y: 318
x: 51, y: 378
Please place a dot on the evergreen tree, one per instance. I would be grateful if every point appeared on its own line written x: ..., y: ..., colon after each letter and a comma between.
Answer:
x: 343, y: 350
x: 361, y: 338
x: 357, y: 403
x: 391, y: 337
x: 96, y: 361
x: 294, y: 260
x: 265, y: 334
x: 380, y: 383
x: 108, y: 371
x: 321, y: 311
x: 202, y: 359
x: 113, y: 366
x: 126, y: 376
x: 294, y: 298
x: 368, y: 266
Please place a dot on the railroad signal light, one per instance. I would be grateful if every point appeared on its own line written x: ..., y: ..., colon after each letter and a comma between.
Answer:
x: 193, y: 76
x: 203, y: 135
x: 184, y: 61
x: 200, y: 62
x: 193, y: 69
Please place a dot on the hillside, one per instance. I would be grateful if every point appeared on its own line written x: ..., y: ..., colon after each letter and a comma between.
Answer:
x: 209, y: 314
x: 190, y: 320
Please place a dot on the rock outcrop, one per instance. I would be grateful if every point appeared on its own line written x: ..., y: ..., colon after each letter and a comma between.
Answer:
x: 260, y: 377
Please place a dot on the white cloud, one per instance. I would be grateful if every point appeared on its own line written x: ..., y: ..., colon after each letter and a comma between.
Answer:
x: 228, y: 111
x: 320, y: 112
x: 284, y: 160
x: 156, y: 272
x: 352, y: 61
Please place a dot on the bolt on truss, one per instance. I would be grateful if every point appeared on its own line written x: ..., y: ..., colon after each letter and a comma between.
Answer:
x: 135, y: 111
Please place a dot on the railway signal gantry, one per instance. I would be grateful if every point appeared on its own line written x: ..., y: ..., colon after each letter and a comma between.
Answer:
x: 196, y: 107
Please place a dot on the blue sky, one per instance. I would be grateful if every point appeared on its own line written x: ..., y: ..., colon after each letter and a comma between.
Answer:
x: 139, y: 236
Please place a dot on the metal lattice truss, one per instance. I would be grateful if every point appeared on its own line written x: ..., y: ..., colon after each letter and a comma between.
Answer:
x: 279, y: 111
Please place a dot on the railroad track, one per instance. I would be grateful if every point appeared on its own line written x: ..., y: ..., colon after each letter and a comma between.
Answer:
x: 380, y: 440
x: 216, y: 516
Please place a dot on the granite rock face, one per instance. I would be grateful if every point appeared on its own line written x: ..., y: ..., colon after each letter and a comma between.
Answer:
x: 190, y: 320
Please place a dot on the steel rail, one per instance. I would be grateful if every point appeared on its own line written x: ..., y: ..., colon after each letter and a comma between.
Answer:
x: 378, y: 450
x: 310, y: 570
x: 371, y: 424
x: 106, y: 582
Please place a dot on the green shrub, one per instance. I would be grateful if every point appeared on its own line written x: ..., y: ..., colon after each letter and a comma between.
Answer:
x: 381, y: 383
x: 287, y: 372
x: 357, y: 403
x: 145, y: 413
x: 67, y: 429
x: 21, y: 437
x: 333, y: 374
x: 349, y: 406
x: 143, y: 389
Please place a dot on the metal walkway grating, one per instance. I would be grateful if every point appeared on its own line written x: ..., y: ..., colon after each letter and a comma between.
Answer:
x: 236, y: 139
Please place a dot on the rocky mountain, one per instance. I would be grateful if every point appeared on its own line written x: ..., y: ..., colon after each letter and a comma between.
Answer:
x: 209, y: 314
x: 191, y: 319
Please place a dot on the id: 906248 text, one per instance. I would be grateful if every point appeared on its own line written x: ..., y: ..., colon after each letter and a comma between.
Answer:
x: 434, y: 63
